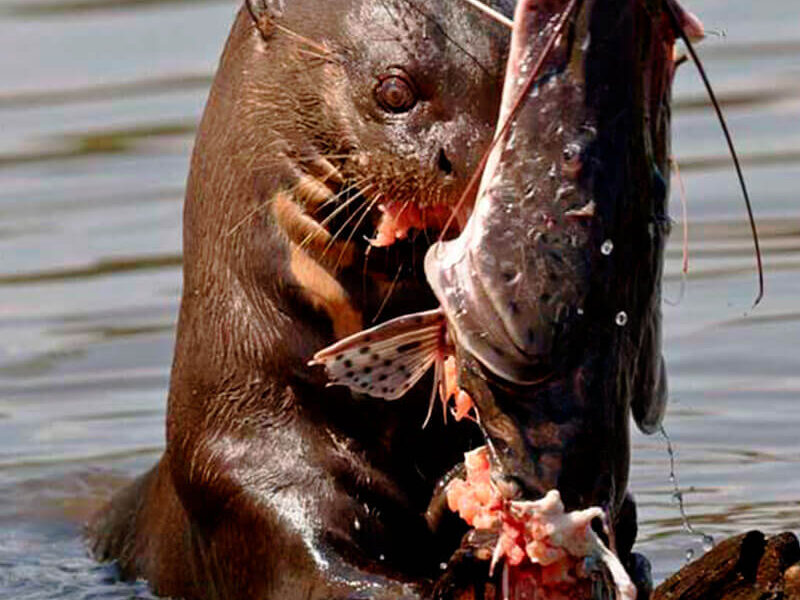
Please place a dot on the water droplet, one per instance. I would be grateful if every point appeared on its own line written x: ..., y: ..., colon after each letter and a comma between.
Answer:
x: 381, y: 557
x: 622, y: 318
x: 708, y: 543
x: 443, y: 566
x: 607, y: 248
x: 357, y: 524
x: 689, y: 554
x: 512, y: 138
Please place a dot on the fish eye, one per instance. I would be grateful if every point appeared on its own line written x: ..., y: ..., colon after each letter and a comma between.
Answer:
x: 572, y: 152
x: 396, y: 92
x: 572, y: 160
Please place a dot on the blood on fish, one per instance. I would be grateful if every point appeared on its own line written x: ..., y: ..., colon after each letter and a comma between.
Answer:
x: 536, y: 540
x: 462, y: 401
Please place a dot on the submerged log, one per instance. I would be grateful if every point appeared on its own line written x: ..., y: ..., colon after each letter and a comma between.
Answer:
x: 745, y: 567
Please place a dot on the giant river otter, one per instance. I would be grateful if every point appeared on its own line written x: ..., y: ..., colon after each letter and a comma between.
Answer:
x: 337, y: 141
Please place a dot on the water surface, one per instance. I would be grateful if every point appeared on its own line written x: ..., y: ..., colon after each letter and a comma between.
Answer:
x: 98, y: 107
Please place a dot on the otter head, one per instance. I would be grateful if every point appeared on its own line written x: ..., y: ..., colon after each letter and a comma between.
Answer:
x: 333, y: 138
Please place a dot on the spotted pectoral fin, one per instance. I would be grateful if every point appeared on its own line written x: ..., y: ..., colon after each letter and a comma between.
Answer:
x: 387, y: 360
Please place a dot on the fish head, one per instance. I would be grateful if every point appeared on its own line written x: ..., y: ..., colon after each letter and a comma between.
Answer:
x: 552, y: 290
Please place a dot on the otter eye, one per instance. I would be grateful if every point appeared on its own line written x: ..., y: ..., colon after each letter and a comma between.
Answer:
x: 396, y: 93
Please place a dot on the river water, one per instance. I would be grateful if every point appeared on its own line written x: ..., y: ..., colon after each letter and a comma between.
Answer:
x: 98, y: 107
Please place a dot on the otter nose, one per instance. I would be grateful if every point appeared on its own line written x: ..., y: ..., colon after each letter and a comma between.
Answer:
x: 443, y: 163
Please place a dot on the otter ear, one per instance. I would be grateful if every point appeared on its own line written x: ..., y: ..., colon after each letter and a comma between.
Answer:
x: 265, y: 9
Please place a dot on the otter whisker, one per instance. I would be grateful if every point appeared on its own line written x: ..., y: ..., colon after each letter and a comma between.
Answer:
x: 490, y: 12
x: 354, y: 186
x: 322, y: 170
x: 250, y: 214
x: 293, y: 34
x: 327, y: 220
x: 337, y: 156
x: 404, y: 207
x: 364, y: 271
x: 323, y: 57
x: 369, y: 206
x: 311, y: 192
x: 425, y: 226
x: 390, y: 291
x: 684, y: 214
x: 359, y: 209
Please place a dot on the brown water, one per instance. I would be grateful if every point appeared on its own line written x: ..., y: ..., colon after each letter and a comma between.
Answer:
x: 97, y: 111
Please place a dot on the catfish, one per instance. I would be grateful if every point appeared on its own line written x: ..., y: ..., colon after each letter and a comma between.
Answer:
x: 550, y: 296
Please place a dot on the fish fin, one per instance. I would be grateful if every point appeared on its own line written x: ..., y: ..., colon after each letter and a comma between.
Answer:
x: 438, y: 387
x: 385, y: 361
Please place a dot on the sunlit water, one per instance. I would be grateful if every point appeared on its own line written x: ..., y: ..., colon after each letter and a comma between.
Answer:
x: 98, y: 105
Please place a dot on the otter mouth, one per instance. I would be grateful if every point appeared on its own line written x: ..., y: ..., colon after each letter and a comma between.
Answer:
x: 352, y: 227
x: 399, y: 219
x: 367, y: 233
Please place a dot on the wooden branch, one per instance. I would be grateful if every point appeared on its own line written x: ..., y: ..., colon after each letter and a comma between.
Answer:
x: 745, y: 567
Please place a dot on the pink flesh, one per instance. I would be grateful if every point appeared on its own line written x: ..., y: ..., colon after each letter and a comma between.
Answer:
x: 543, y: 545
x: 398, y: 218
x: 461, y: 399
